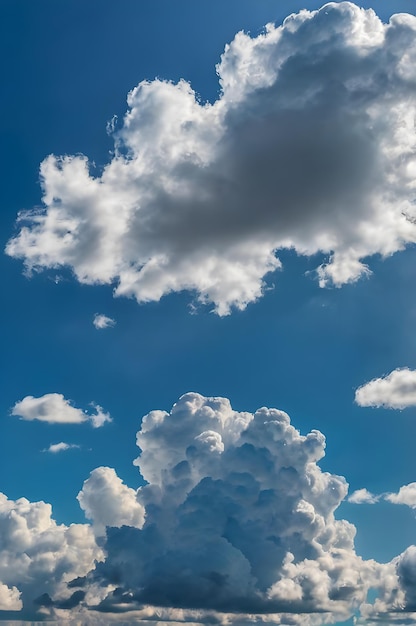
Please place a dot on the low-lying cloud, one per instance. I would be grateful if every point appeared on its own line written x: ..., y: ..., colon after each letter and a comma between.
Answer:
x: 310, y: 147
x: 53, y: 408
x: 239, y: 519
x: 38, y: 558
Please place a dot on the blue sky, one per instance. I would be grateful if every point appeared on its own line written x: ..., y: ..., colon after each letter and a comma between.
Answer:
x: 305, y: 154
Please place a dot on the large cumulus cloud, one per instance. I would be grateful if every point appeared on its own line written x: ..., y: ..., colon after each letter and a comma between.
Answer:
x: 239, y: 520
x: 310, y: 146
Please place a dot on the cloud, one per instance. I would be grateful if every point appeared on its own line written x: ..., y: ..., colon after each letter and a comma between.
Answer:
x: 406, y: 495
x: 108, y: 502
x: 60, y: 447
x: 38, y: 558
x: 55, y: 409
x: 310, y: 147
x: 397, y: 390
x: 363, y: 496
x: 235, y: 525
x: 239, y: 520
x: 10, y: 599
x: 101, y: 321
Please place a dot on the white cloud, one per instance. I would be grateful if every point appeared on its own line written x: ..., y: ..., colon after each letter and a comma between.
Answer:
x: 60, y: 447
x: 363, y: 496
x: 311, y: 146
x: 235, y: 525
x: 397, y: 390
x: 101, y: 321
x: 108, y: 502
x: 99, y: 418
x: 10, y: 598
x: 406, y: 495
x: 38, y: 558
x: 55, y: 409
x: 239, y: 520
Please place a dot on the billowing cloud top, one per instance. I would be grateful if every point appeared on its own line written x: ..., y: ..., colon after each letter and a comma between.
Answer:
x: 55, y: 409
x: 239, y: 518
x: 108, y: 502
x: 311, y: 146
x: 397, y: 390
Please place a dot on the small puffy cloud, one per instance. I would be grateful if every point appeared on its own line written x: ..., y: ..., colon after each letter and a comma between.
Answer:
x: 310, y: 146
x: 107, y: 501
x: 363, y: 496
x: 54, y: 448
x: 397, y: 390
x: 406, y: 495
x: 38, y: 558
x: 101, y: 321
x: 55, y: 409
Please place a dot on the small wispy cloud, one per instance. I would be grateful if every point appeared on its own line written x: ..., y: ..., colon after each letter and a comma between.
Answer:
x: 54, y: 448
x: 101, y: 321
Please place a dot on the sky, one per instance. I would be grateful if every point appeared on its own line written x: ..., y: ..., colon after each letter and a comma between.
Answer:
x: 208, y: 390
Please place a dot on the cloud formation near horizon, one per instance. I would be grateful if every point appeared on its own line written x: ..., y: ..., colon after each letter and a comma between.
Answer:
x: 239, y: 519
x: 53, y: 408
x: 310, y: 146
x: 396, y: 390
x: 235, y: 522
x: 38, y: 558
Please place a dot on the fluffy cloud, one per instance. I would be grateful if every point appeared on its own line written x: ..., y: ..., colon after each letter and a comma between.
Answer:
x: 55, y: 409
x: 108, y: 502
x: 235, y: 524
x: 39, y: 558
x: 310, y: 146
x: 406, y: 495
x: 363, y: 496
x: 239, y: 520
x: 10, y: 598
x: 101, y: 321
x: 397, y: 390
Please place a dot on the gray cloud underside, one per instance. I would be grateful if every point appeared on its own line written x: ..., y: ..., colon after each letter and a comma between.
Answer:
x: 310, y: 146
